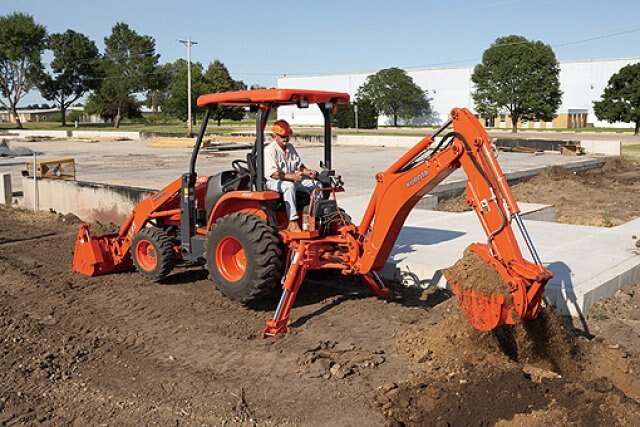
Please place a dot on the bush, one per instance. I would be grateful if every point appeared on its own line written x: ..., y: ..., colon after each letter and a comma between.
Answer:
x: 345, y: 116
x: 74, y: 116
x: 367, y: 114
x: 55, y: 118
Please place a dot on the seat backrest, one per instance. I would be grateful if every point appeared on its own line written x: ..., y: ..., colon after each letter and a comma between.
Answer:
x: 251, y: 165
x: 221, y: 183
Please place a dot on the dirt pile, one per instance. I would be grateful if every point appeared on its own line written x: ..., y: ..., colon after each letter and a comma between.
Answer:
x: 486, y: 395
x: 605, y: 197
x: 535, y: 367
x: 7, y: 151
x: 472, y: 272
x: 545, y: 344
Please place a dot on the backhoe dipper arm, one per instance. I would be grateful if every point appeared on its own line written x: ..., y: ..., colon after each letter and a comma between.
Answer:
x: 400, y: 187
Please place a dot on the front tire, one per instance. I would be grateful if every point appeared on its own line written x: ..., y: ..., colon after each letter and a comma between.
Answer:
x: 243, y: 257
x: 152, y: 253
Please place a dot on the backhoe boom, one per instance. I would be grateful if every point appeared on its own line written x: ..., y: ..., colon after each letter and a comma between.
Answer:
x: 400, y: 187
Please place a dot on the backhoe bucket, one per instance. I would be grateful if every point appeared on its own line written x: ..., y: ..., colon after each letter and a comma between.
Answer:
x: 489, y: 305
x: 94, y: 255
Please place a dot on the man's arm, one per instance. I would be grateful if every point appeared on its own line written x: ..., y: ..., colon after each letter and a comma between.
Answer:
x: 271, y: 168
x: 305, y: 170
x: 297, y: 176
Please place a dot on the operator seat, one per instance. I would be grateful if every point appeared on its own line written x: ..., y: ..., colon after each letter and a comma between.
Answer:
x: 221, y: 183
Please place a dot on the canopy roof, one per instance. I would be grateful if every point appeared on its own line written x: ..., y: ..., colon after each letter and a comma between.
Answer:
x: 272, y: 96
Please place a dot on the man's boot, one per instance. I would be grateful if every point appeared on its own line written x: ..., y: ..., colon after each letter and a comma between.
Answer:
x: 293, y: 226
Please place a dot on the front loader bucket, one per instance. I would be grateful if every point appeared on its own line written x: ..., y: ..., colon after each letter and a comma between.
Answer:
x: 95, y: 255
x: 500, y: 302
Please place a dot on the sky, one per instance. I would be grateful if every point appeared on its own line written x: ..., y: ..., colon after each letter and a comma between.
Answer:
x: 258, y: 41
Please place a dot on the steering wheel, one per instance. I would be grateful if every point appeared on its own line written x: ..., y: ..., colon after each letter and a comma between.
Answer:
x: 240, y: 166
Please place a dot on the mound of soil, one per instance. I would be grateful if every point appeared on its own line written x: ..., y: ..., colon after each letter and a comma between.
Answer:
x: 606, y: 197
x: 472, y: 272
x: 540, y: 368
x: 488, y: 395
x: 544, y: 343
x: 7, y: 151
x: 70, y: 218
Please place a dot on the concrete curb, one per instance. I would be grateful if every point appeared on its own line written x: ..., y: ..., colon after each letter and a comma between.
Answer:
x: 36, y: 133
x: 105, y: 134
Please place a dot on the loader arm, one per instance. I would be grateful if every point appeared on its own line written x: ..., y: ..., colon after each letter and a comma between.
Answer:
x: 109, y: 253
x: 419, y: 171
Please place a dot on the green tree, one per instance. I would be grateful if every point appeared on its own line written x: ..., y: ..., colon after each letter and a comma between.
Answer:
x: 520, y: 76
x: 367, y: 114
x: 75, y: 70
x: 218, y: 79
x: 108, y: 109
x: 395, y: 94
x: 129, y: 66
x: 173, y: 100
x: 344, y: 116
x: 620, y: 101
x: 21, y: 44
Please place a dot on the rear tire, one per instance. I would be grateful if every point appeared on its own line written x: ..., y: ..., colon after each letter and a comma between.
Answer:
x: 243, y: 257
x: 152, y: 253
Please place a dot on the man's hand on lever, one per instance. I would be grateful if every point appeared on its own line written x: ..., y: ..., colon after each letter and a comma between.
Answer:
x: 309, y: 172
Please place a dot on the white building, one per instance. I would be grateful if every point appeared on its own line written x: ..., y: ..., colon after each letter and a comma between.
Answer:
x: 582, y: 82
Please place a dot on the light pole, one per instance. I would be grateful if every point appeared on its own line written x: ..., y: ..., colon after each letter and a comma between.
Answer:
x: 188, y: 43
x: 355, y: 109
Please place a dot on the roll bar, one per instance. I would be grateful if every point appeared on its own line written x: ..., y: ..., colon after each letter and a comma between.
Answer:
x: 262, y: 115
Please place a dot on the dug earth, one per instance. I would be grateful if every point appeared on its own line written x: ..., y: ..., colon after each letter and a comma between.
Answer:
x: 123, y: 350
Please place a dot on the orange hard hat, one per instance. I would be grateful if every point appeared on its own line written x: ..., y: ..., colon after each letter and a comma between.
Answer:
x: 282, y: 128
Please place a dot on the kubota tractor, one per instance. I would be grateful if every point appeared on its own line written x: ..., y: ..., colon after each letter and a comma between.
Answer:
x: 233, y: 225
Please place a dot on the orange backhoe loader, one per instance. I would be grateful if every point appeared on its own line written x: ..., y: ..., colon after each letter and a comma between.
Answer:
x: 231, y: 224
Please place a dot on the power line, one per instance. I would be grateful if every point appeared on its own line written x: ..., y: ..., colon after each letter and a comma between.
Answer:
x: 436, y: 64
x: 597, y: 38
x: 556, y: 45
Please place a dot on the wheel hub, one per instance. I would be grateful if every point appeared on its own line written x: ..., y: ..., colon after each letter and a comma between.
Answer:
x: 146, y: 255
x: 231, y: 259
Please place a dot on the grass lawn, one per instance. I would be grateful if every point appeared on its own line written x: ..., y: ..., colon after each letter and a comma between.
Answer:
x: 631, y: 152
x: 248, y: 125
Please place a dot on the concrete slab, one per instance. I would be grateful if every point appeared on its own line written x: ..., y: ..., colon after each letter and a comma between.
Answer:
x: 605, y: 148
x: 589, y: 263
x: 36, y: 133
x: 6, y: 193
x: 135, y: 163
x: 378, y: 140
x: 105, y: 134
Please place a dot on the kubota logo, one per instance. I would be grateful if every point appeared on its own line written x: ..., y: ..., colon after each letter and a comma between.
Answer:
x: 417, y: 178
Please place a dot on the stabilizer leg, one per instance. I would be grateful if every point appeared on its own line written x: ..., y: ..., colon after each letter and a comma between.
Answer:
x: 279, y: 324
x: 376, y: 286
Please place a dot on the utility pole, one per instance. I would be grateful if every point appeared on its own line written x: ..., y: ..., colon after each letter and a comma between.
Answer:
x: 188, y: 43
x: 355, y: 109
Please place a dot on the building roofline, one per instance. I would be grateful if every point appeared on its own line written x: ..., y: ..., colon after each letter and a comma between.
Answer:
x: 572, y: 61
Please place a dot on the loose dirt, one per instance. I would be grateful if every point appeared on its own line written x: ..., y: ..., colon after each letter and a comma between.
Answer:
x: 606, y: 197
x: 472, y: 272
x: 122, y: 350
